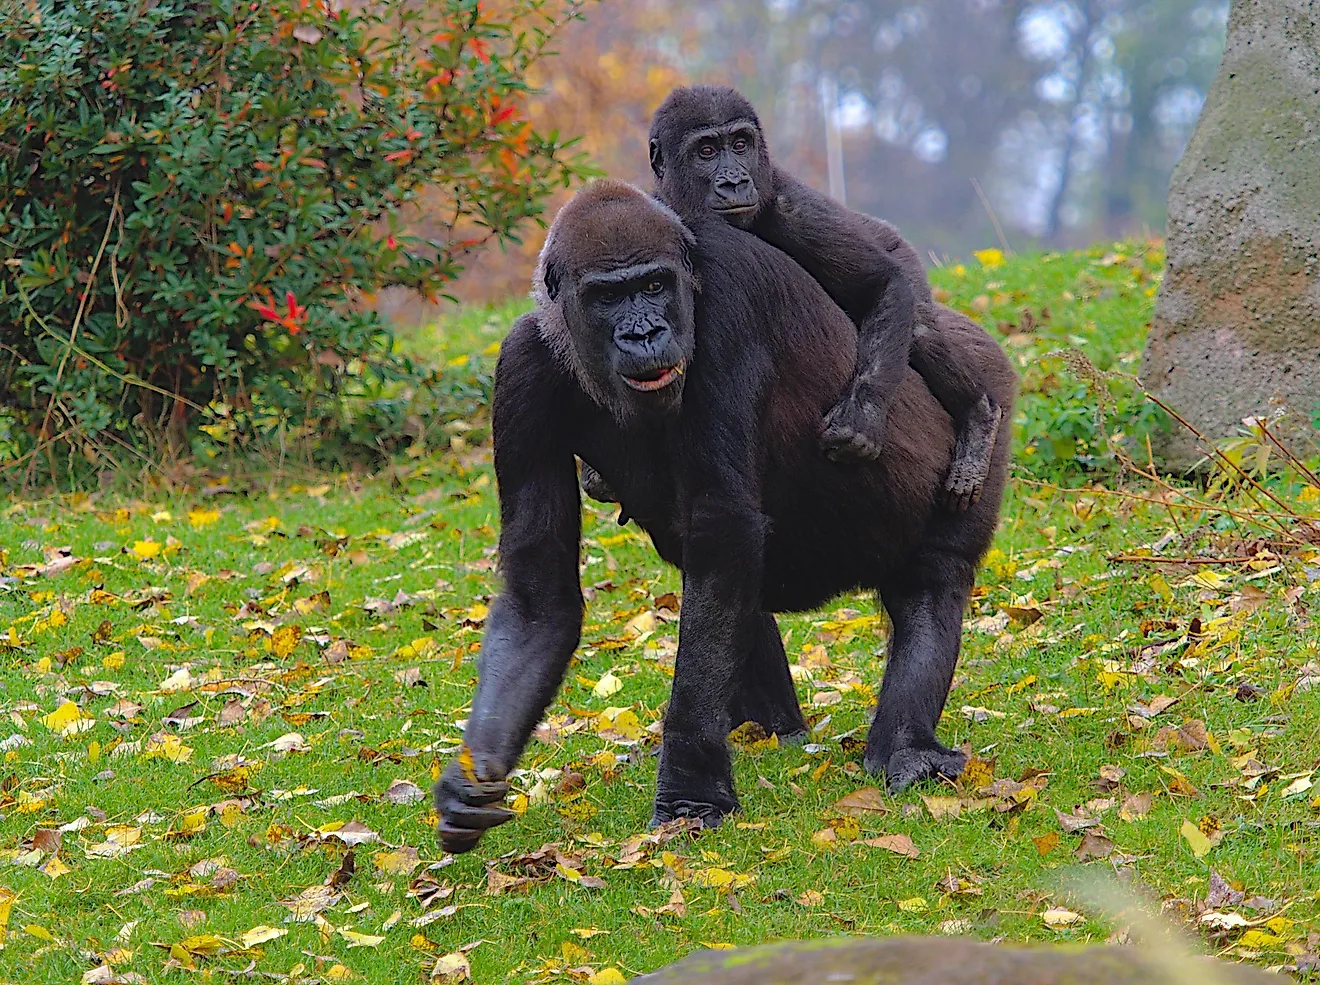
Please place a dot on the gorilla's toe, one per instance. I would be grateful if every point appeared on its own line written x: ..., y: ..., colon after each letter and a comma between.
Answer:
x: 710, y: 815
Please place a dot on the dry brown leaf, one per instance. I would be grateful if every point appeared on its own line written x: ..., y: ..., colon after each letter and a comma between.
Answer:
x: 1094, y: 845
x: 1136, y: 805
x: 859, y: 803
x: 898, y: 844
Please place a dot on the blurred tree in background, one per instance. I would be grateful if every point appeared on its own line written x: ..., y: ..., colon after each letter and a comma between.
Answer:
x: 613, y: 68
x: 1070, y: 114
x: 1063, y: 118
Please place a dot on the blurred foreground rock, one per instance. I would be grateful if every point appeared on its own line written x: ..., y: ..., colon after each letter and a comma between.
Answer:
x: 1237, y: 323
x: 945, y: 961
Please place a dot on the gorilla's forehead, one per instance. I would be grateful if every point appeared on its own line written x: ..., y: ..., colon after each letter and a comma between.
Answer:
x: 700, y: 107
x: 616, y: 233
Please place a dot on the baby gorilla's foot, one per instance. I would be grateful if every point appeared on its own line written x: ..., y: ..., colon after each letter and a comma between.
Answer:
x: 854, y: 431
x: 971, y: 457
x: 468, y: 807
x: 963, y: 486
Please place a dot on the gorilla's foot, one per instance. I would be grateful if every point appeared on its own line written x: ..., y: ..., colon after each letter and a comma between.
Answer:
x: 971, y: 457
x: 854, y: 431
x: 912, y: 764
x: 595, y: 486
x: 710, y: 815
x: 694, y: 779
x: 467, y: 808
x: 962, y: 488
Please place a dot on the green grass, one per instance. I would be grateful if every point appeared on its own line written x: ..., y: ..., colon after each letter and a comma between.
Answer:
x: 1061, y: 643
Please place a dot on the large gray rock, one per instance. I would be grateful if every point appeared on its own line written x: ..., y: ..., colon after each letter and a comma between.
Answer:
x: 1237, y: 322
x: 946, y: 961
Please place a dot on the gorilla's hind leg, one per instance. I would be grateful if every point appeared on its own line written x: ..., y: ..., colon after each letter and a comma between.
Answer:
x: 764, y: 693
x: 926, y: 608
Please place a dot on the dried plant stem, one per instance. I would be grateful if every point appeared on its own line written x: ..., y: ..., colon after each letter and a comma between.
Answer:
x: 73, y: 330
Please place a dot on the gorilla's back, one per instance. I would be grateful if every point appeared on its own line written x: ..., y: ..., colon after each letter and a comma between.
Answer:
x: 833, y: 525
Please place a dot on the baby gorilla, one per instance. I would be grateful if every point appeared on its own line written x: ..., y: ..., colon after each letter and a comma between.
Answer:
x: 691, y: 368
x: 709, y: 157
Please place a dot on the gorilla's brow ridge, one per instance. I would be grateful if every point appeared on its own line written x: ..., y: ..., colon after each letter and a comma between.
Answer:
x: 694, y: 137
x: 622, y: 275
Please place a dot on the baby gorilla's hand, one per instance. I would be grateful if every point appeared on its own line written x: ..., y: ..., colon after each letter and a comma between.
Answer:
x: 467, y: 807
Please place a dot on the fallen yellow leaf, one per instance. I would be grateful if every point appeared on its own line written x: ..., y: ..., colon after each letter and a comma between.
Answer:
x: 199, y: 517
x: 261, y: 934
x: 1196, y: 840
x: 1057, y: 916
x: 146, y: 549
x: 68, y: 719
x: 356, y: 939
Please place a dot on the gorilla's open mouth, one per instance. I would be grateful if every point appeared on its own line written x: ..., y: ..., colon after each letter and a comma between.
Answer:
x: 656, y: 379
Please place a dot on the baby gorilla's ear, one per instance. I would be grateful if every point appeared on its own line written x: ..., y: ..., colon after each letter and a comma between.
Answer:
x: 657, y: 159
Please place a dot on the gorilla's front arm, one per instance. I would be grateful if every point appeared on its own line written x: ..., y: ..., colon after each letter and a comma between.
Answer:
x: 841, y: 251
x: 724, y: 536
x: 535, y: 623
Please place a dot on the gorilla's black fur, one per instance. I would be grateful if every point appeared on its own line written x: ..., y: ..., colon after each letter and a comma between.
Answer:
x: 691, y: 369
x: 709, y: 156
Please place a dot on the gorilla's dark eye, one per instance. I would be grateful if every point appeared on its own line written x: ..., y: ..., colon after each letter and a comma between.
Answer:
x: 655, y: 287
x: 740, y: 145
x: 706, y: 152
x: 610, y: 295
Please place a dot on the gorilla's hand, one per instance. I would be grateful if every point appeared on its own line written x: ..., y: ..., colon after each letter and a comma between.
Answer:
x: 595, y: 486
x: 912, y: 764
x: 467, y: 807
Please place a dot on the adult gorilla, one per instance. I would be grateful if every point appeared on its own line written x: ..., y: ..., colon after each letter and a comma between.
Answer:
x: 691, y: 369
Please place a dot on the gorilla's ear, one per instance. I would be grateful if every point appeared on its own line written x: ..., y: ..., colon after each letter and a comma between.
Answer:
x: 552, y: 276
x: 657, y: 160
x: 689, y: 261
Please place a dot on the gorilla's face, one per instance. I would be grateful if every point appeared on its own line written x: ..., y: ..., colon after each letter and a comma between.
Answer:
x: 616, y: 286
x: 638, y: 309
x: 718, y: 167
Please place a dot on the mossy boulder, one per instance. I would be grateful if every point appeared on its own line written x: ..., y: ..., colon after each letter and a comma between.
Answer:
x: 945, y: 961
x: 1236, y: 331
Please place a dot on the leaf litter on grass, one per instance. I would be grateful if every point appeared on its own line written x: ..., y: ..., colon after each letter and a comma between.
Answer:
x: 215, y: 702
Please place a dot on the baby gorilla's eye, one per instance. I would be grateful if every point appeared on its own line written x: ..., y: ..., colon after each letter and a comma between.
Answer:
x: 655, y: 287
x: 706, y: 152
x: 740, y: 145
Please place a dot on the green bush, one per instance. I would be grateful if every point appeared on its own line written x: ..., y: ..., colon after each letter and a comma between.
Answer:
x: 196, y: 198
